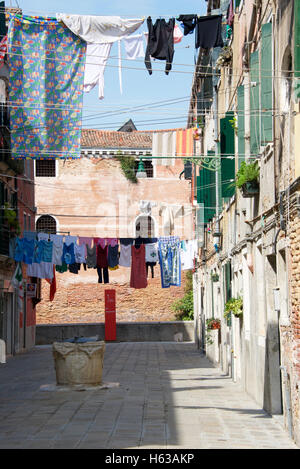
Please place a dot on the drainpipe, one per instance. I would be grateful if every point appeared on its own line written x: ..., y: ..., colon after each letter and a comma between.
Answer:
x: 287, y: 400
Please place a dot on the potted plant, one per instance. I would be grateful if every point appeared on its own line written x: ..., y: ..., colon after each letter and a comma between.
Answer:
x: 215, y: 277
x: 247, y: 179
x: 234, y: 306
x: 213, y: 323
x: 11, y: 218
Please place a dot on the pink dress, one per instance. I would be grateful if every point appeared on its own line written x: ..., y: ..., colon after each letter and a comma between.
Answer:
x: 138, y: 274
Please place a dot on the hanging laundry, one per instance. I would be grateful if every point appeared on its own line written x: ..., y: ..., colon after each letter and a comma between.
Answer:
x: 100, y: 241
x: 99, y: 29
x: 46, y: 65
x: 52, y: 285
x: 46, y: 250
x: 138, y: 274
x: 178, y: 35
x: 188, y: 251
x: 164, y: 148
x: 169, y: 213
x: 71, y: 239
x: 29, y: 234
x: 44, y: 236
x: 126, y: 241
x: 185, y: 142
x: 42, y: 270
x: 61, y: 268
x: 111, y: 241
x: 151, y: 252
x: 170, y: 261
x: 125, y: 255
x: 91, y: 256
x: 230, y: 14
x: 3, y: 50
x: 58, y: 243
x: 188, y: 23
x: 84, y: 240
x: 68, y: 256
x: 113, y: 257
x: 150, y: 265
x: 96, y: 59
x: 134, y: 47
x: 24, y: 250
x: 146, y: 206
x: 102, y: 263
x: 74, y: 268
x: 208, y: 33
x: 103, y: 274
x: 80, y: 253
x: 160, y: 42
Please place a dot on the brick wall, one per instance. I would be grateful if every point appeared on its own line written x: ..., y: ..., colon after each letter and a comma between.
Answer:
x: 80, y: 298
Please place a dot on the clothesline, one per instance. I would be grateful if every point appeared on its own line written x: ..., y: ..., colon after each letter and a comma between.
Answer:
x: 45, y: 253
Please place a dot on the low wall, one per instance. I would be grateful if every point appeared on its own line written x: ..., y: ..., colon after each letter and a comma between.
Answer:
x: 178, y: 331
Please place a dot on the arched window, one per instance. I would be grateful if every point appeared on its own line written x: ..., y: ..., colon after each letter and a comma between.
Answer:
x: 286, y: 82
x: 144, y: 227
x: 46, y: 224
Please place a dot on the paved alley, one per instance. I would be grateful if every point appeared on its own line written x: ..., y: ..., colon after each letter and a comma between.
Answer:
x: 165, y: 395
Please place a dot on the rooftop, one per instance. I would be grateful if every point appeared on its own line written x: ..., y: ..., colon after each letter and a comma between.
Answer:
x: 93, y: 138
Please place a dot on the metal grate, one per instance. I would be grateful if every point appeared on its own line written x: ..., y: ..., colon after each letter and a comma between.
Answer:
x: 46, y: 224
x: 45, y: 168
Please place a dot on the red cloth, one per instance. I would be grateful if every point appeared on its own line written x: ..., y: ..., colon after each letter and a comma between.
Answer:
x: 102, y: 261
x: 52, y: 285
x: 138, y: 274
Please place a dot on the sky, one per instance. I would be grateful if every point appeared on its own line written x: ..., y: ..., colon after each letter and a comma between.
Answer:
x: 163, y: 100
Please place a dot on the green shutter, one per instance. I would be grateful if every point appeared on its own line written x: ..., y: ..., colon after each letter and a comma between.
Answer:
x: 227, y: 149
x: 254, y: 105
x: 241, y: 123
x: 297, y: 48
x: 266, y: 84
x: 227, y: 286
x: 206, y: 191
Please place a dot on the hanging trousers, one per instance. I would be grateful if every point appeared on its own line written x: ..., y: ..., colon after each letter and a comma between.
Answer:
x: 105, y: 274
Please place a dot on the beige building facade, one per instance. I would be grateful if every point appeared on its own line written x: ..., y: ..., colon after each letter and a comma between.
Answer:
x: 251, y: 247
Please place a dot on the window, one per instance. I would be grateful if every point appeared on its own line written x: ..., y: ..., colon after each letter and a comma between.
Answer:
x: 45, y: 168
x: 47, y: 224
x: 148, y: 167
x: 144, y: 227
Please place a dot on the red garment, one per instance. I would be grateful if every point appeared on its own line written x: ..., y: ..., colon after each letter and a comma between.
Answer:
x: 138, y: 274
x: 100, y: 241
x: 52, y: 285
x: 102, y: 261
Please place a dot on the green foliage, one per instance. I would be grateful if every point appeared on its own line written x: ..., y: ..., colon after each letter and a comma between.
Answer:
x: 128, y: 167
x: 234, y: 306
x: 184, y: 307
x: 11, y: 218
x: 247, y: 172
x: 233, y: 123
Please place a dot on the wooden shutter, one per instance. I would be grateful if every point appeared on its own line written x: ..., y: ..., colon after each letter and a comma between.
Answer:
x: 266, y: 84
x: 206, y: 191
x: 254, y: 104
x: 227, y: 149
x: 241, y: 123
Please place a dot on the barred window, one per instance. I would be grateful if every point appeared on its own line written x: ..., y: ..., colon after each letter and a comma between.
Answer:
x: 45, y: 168
x: 46, y: 224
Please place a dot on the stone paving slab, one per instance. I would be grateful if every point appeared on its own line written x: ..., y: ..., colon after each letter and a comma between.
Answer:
x: 164, y: 395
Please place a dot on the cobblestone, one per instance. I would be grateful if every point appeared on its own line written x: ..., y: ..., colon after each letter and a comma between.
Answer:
x: 175, y: 398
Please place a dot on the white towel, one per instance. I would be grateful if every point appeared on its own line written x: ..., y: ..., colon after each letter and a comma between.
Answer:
x: 99, y: 29
x: 134, y: 47
x: 164, y: 145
